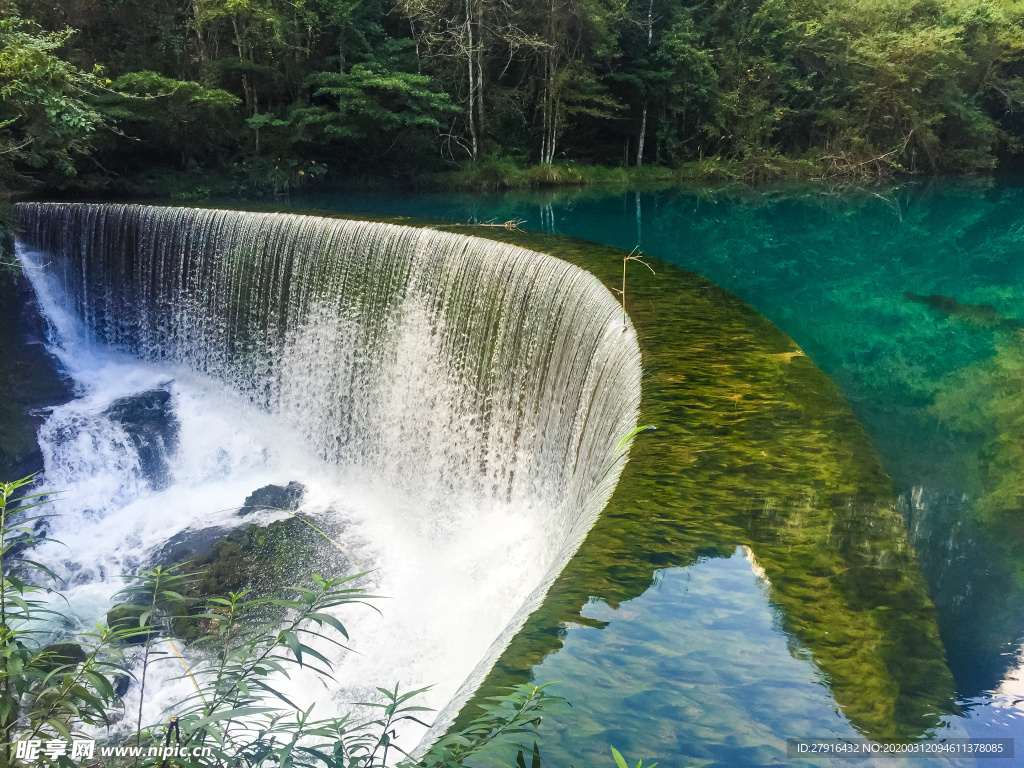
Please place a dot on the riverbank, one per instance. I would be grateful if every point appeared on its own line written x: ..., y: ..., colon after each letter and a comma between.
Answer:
x: 488, y: 174
x: 503, y: 173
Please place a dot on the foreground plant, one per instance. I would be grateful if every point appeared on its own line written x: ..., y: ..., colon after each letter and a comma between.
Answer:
x: 250, y: 645
x: 620, y: 761
x: 238, y: 714
x: 46, y: 692
x: 505, y: 722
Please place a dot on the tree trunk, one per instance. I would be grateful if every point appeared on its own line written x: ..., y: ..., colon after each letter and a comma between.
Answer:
x: 251, y: 103
x: 481, y: 123
x: 545, y: 108
x: 643, y: 120
x: 549, y: 102
x: 640, y: 141
x: 472, y: 84
x: 416, y: 39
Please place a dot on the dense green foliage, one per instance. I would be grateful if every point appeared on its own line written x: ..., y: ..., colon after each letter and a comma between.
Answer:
x: 45, y: 114
x: 272, y: 93
x: 43, y: 693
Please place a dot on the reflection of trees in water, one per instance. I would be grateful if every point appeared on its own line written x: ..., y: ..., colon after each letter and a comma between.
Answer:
x: 754, y: 447
x: 972, y: 584
x: 971, y: 538
x: 984, y: 403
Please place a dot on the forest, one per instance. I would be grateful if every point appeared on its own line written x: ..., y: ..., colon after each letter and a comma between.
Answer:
x: 277, y: 95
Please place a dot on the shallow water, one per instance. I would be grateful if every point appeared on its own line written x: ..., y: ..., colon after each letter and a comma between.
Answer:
x: 911, y: 300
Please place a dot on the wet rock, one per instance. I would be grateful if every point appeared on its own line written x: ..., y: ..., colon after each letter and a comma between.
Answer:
x: 149, y: 421
x: 257, y: 556
x: 274, y: 497
x: 983, y: 315
x: 189, y: 544
x: 125, y: 616
x: 61, y: 655
x: 121, y: 684
x: 31, y: 380
x: 263, y: 558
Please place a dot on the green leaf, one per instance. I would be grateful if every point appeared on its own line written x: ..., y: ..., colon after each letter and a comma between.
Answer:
x: 631, y: 434
x: 231, y: 714
x: 292, y: 641
x: 326, y: 618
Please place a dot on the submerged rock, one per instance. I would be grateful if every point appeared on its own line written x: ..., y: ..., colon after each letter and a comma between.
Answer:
x: 982, y: 315
x: 274, y: 497
x: 149, y: 421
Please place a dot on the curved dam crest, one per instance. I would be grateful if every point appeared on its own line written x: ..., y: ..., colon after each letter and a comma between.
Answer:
x: 464, y: 375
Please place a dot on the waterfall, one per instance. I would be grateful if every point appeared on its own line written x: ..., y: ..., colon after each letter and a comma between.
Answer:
x: 483, y: 385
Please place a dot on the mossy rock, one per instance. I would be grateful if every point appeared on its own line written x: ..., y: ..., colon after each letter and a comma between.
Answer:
x: 125, y: 616
x: 256, y: 557
x: 261, y: 558
x: 59, y: 655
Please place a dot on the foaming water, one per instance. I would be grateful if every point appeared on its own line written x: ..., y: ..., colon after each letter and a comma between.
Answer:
x: 451, y: 404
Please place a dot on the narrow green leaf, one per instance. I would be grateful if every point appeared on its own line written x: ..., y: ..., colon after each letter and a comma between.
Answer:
x: 631, y: 434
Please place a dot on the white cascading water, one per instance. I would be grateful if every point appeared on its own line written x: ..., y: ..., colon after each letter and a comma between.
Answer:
x: 451, y: 404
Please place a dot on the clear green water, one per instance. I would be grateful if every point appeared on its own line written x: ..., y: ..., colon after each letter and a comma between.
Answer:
x: 661, y: 633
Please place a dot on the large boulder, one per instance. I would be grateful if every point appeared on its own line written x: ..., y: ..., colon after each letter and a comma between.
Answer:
x: 264, y: 558
x: 274, y: 497
x: 149, y: 421
x: 188, y: 545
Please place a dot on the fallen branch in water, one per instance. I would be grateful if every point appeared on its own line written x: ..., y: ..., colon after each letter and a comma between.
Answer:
x: 511, y: 224
x: 631, y: 256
